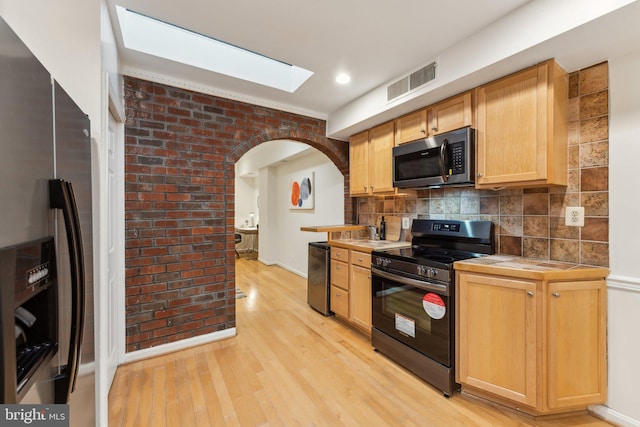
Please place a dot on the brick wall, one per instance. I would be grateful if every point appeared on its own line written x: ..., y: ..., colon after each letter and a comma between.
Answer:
x: 180, y: 151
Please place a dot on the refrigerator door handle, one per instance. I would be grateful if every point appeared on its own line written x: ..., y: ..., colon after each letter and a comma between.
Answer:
x: 61, y: 197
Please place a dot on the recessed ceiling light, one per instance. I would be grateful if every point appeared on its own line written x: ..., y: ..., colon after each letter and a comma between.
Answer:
x: 158, y: 38
x: 343, y: 78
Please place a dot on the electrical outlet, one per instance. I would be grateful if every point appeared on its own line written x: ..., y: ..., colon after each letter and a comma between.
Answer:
x: 406, y: 223
x: 574, y: 216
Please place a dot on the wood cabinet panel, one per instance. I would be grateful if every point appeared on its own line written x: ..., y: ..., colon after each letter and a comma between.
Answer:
x: 522, y: 129
x: 381, y: 143
x: 359, y: 164
x: 497, y: 336
x: 536, y: 345
x: 411, y: 127
x: 339, y: 302
x: 340, y: 254
x: 362, y: 259
x: 451, y: 114
x: 360, y: 297
x: 577, y: 343
x: 340, y: 274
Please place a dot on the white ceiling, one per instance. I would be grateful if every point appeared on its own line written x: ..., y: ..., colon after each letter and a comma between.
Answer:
x: 372, y: 40
x: 375, y: 41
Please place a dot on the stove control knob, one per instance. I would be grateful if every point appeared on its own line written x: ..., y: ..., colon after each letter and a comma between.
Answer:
x: 387, y: 262
x: 432, y: 272
x: 422, y: 270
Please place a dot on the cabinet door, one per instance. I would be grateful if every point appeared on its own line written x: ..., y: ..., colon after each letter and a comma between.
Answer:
x: 511, y: 138
x: 339, y: 302
x: 381, y: 158
x: 451, y: 114
x: 340, y: 274
x: 359, y: 164
x: 522, y: 129
x: 360, y: 298
x: 496, y: 336
x: 411, y: 127
x: 576, y: 331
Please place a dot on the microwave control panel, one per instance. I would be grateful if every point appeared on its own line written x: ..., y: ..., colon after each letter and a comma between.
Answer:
x: 456, y: 158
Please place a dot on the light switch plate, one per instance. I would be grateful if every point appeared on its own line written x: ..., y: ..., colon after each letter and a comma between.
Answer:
x: 406, y: 223
x: 574, y: 216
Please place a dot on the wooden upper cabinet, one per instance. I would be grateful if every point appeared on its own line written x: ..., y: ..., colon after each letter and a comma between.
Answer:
x: 359, y: 164
x: 371, y: 161
x: 522, y: 129
x: 451, y: 114
x: 411, y: 127
x: 381, y: 143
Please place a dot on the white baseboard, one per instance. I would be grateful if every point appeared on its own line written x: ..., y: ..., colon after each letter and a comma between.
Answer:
x: 612, y: 416
x: 179, y: 345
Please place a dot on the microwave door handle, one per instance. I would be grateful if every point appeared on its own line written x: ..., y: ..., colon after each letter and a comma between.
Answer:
x: 444, y: 161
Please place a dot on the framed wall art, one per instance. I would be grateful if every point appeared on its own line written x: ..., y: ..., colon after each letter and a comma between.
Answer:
x: 301, y: 192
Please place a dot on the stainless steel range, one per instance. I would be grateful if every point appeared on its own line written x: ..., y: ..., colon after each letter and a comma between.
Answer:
x: 413, y: 296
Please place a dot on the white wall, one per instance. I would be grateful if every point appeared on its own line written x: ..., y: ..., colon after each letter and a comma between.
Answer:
x: 246, y: 200
x: 624, y: 235
x: 328, y: 208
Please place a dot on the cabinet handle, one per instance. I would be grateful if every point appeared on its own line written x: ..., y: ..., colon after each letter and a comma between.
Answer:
x: 337, y: 267
x: 369, y: 277
x: 423, y: 131
x: 530, y: 293
x: 479, y: 175
x: 434, y: 128
x: 360, y: 259
x: 556, y: 294
x: 365, y: 188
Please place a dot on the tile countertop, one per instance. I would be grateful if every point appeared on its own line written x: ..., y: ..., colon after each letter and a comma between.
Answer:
x: 530, y: 268
x: 368, y: 246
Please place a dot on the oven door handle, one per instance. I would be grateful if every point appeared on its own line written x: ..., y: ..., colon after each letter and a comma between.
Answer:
x: 427, y: 286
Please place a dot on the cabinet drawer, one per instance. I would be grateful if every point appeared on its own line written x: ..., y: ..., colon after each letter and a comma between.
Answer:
x: 340, y: 274
x: 340, y: 302
x: 361, y: 259
x: 340, y: 254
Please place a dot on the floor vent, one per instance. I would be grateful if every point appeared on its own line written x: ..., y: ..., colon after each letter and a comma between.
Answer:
x: 412, y: 81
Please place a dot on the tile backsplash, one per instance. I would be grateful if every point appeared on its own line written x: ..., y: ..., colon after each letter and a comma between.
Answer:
x: 530, y: 222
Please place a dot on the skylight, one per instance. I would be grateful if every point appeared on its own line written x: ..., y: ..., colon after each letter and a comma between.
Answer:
x: 157, y: 38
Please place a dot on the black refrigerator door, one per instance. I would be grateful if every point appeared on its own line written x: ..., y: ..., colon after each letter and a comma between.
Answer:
x: 62, y: 197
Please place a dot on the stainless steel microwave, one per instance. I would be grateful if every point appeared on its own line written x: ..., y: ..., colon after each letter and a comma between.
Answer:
x: 441, y: 160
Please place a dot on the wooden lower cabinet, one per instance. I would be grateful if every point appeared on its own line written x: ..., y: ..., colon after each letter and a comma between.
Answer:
x: 351, y: 287
x: 535, y: 345
x: 339, y: 298
x: 340, y: 302
x: 360, y: 298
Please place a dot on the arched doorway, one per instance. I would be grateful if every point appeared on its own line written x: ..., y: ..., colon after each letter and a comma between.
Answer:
x: 268, y: 170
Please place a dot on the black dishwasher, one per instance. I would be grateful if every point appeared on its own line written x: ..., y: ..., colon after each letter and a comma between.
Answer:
x: 318, y: 280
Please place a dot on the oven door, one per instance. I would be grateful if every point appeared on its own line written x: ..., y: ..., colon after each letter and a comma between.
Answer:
x: 414, y: 312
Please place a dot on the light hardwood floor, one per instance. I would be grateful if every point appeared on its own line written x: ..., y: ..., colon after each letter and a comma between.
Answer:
x: 291, y: 366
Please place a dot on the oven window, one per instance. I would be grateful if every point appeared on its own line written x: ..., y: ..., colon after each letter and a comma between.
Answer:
x: 418, y: 318
x: 395, y: 302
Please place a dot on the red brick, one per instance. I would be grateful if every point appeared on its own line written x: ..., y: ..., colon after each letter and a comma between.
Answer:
x: 180, y: 149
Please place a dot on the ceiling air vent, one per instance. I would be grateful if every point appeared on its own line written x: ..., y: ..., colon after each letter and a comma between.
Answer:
x: 422, y: 76
x: 412, y: 81
x: 398, y: 88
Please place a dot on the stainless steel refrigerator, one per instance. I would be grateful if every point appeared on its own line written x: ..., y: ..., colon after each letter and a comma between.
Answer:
x: 46, y: 249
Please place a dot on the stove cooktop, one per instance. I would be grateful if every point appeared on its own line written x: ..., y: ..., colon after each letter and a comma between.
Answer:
x: 427, y: 256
